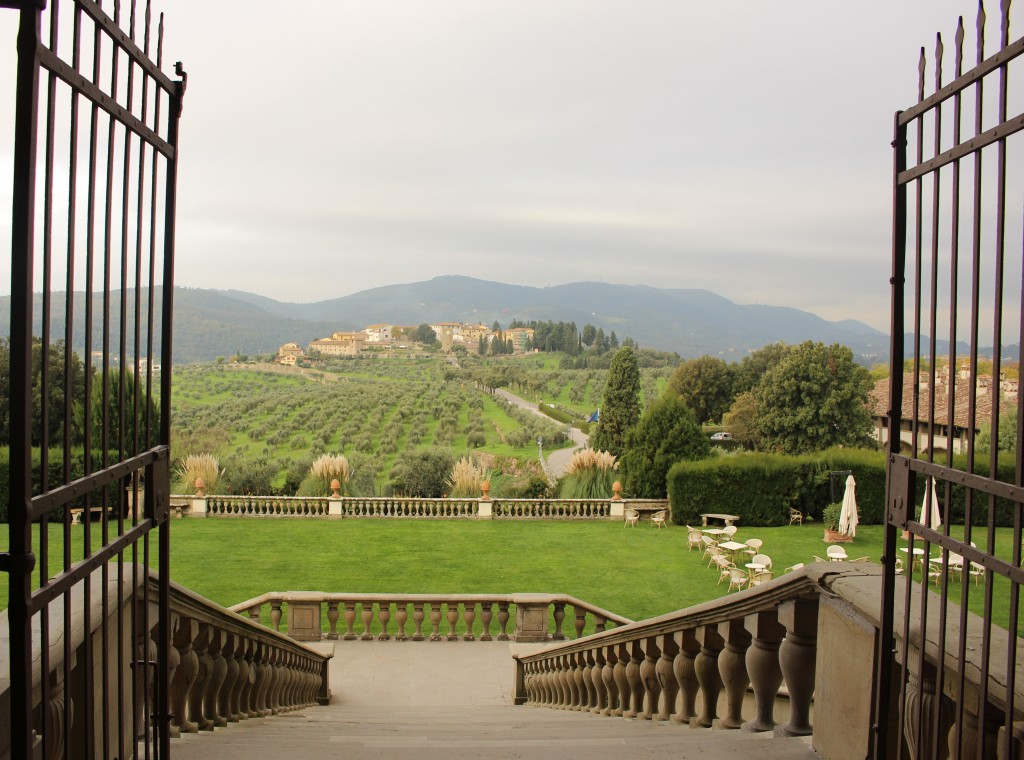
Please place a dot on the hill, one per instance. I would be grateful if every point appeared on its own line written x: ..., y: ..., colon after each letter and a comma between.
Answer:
x: 691, y: 322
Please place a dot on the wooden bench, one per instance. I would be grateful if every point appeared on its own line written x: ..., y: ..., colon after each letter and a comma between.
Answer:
x: 727, y: 519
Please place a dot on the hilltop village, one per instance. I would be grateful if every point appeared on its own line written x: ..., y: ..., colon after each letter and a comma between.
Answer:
x: 476, y: 338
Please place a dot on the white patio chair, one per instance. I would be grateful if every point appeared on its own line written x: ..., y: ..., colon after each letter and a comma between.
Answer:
x: 977, y: 572
x: 762, y: 559
x: 760, y: 577
x: 709, y: 546
x: 729, y: 531
x: 754, y: 544
x: 737, y: 579
x: 793, y: 568
x: 836, y: 553
x: 796, y: 516
x: 632, y: 517
x: 658, y: 519
x: 693, y: 538
x: 724, y: 566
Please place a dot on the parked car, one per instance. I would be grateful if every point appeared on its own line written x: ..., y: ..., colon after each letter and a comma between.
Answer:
x: 721, y: 437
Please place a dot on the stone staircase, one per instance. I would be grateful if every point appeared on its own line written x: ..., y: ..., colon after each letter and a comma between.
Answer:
x: 453, y: 700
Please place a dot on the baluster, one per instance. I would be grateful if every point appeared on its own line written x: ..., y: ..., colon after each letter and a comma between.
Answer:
x: 596, y: 657
x: 417, y: 619
x: 401, y: 617
x: 332, y: 620
x: 649, y: 678
x: 599, y: 623
x: 264, y: 679
x: 275, y: 614
x: 384, y: 616
x: 579, y: 683
x: 469, y: 616
x: 366, y: 614
x: 587, y: 690
x: 710, y: 680
x: 247, y: 699
x: 796, y: 657
x: 581, y: 620
x: 453, y: 619
x: 200, y: 646
x: 636, y: 687
x: 622, y: 681
x: 350, y: 619
x: 241, y: 671
x: 215, y: 683
x: 559, y: 620
x: 503, y: 621
x: 610, y: 686
x: 732, y: 666
x: 60, y: 710
x: 763, y: 667
x: 435, y: 620
x: 570, y: 694
x: 666, y: 677
x: 485, y: 619
x: 254, y: 612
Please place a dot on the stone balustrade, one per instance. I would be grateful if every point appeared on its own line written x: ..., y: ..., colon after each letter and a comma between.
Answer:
x: 424, y: 617
x: 224, y: 668
x: 399, y: 507
x: 813, y: 630
x: 266, y: 506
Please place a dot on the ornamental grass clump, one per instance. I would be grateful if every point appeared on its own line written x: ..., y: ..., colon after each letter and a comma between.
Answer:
x: 590, y: 475
x: 199, y: 466
x: 326, y: 468
x: 466, y: 478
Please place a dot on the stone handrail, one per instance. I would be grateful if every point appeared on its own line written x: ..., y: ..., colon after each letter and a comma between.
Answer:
x: 410, y: 507
x: 815, y: 625
x: 224, y: 668
x: 537, y: 617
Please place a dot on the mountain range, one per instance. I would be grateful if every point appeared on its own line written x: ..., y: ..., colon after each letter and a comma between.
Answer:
x: 210, y: 323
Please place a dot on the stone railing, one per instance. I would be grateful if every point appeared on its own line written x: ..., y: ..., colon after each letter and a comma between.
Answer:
x: 817, y: 626
x: 411, y: 507
x: 450, y: 617
x: 266, y: 506
x: 223, y: 668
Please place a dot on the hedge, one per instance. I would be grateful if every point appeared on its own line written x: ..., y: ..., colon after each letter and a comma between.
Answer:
x: 562, y: 416
x: 761, y: 488
x: 55, y: 477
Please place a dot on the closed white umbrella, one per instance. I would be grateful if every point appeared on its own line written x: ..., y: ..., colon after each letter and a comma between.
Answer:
x: 848, y: 516
x: 931, y: 516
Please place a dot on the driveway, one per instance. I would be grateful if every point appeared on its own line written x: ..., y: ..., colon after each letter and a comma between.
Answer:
x: 557, y: 460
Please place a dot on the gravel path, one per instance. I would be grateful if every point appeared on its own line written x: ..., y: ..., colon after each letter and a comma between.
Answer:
x: 557, y: 460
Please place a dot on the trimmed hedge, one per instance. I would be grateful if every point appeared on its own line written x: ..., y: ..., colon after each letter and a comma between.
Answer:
x: 761, y: 488
x: 55, y: 477
x: 562, y: 416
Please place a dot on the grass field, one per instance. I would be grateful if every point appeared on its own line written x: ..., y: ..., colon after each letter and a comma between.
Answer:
x: 636, y: 572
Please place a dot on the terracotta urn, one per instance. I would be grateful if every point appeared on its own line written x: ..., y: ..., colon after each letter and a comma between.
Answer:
x: 336, y: 488
x: 617, y: 490
x: 200, y: 486
x: 485, y: 487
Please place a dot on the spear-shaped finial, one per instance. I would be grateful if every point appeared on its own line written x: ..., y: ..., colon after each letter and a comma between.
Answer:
x: 1005, y: 7
x: 922, y: 64
x: 938, y: 61
x: 981, y: 30
x: 959, y: 38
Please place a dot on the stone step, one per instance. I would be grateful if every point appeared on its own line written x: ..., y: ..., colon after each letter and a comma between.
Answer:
x: 472, y: 732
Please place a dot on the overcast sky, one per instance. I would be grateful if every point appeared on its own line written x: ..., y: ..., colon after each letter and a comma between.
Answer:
x: 744, y: 147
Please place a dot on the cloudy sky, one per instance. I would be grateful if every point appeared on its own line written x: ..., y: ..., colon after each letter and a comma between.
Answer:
x: 743, y: 147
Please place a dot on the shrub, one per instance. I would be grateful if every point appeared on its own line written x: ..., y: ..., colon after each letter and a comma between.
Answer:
x: 466, y: 478
x: 322, y: 471
x: 196, y: 466
x: 830, y: 516
x: 590, y: 475
x: 422, y: 473
x: 251, y: 477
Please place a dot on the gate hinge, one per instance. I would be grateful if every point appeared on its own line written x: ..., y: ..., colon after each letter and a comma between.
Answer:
x: 24, y: 563
x: 900, y: 494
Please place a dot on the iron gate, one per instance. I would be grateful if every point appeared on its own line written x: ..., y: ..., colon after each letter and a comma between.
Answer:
x: 948, y: 659
x: 96, y: 133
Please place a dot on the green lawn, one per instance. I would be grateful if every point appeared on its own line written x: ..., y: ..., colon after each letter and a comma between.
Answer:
x: 636, y: 572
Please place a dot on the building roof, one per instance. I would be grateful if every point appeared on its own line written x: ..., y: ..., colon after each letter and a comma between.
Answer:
x: 878, y: 399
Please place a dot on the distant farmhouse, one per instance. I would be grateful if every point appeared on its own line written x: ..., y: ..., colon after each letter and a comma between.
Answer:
x: 950, y: 421
x: 387, y: 336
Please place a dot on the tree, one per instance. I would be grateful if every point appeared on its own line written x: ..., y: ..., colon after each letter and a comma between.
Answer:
x: 748, y: 374
x: 620, y: 408
x: 589, y: 333
x: 741, y: 421
x: 813, y: 399
x: 424, y: 334
x: 704, y: 385
x: 422, y: 473
x: 667, y: 433
x: 1007, y: 438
